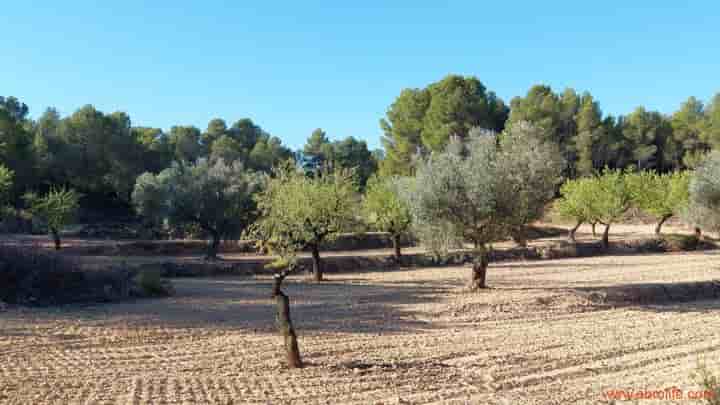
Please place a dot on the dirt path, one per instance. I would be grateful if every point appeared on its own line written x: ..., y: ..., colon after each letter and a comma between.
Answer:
x: 406, y: 336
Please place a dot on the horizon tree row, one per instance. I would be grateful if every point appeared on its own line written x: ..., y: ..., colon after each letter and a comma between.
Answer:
x: 424, y: 120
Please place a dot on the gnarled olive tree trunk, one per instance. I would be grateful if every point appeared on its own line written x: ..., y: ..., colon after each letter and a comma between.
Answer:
x: 571, y: 234
x: 56, y: 238
x: 214, y: 245
x: 659, y: 225
x: 606, y: 236
x: 479, y: 268
x: 317, y: 270
x: 284, y: 323
x: 396, y: 248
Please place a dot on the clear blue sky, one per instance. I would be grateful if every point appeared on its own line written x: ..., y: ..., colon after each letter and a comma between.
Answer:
x: 295, y: 66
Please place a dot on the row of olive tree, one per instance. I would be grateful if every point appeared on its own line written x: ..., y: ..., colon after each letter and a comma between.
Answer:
x: 605, y: 198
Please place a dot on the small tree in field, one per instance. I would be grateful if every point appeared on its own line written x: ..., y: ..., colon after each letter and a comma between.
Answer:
x: 612, y: 199
x: 703, y: 209
x: 306, y: 210
x: 384, y: 209
x: 56, y: 209
x: 576, y: 202
x: 468, y: 191
x: 660, y: 195
x: 215, y: 196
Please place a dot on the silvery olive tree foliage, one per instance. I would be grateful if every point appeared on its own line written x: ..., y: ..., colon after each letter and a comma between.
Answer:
x: 216, y: 196
x: 529, y: 172
x: 478, y: 189
x: 703, y: 209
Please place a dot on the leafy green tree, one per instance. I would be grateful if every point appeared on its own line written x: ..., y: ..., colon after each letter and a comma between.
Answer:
x: 56, y: 209
x: 660, y: 195
x: 458, y: 104
x: 423, y: 120
x: 704, y: 203
x: 646, y: 132
x: 590, y: 133
x: 318, y: 145
x: 6, y: 178
x: 475, y: 191
x: 529, y: 172
x: 711, y: 129
x: 16, y: 143
x: 688, y: 126
x: 185, y: 141
x: 402, y: 129
x: 216, y: 128
x: 554, y: 114
x: 215, y: 196
x: 613, y: 197
x: 576, y: 202
x: 227, y: 149
x: 6, y: 182
x: 156, y: 151
x: 385, y: 210
x: 299, y: 212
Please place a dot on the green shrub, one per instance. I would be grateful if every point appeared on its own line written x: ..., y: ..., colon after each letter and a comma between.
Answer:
x: 151, y: 284
x: 708, y: 382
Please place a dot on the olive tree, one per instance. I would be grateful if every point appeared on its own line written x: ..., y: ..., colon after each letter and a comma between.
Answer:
x: 304, y: 211
x: 56, y: 209
x: 660, y: 195
x: 216, y: 196
x: 703, y: 210
x: 471, y: 191
x: 576, y: 202
x: 528, y: 174
x: 386, y: 211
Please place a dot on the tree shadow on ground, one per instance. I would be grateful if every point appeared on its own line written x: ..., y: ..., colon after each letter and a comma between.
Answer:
x: 232, y: 303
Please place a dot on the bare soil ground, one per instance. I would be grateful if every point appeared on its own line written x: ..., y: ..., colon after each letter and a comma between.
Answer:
x: 394, y: 337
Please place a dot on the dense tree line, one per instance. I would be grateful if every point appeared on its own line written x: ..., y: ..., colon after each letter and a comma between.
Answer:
x: 421, y: 121
x: 101, y: 155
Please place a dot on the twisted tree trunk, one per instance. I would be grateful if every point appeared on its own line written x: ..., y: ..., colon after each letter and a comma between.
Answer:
x: 396, y: 248
x: 317, y: 263
x: 660, y: 224
x: 214, y: 244
x: 479, y: 268
x: 284, y: 323
x: 606, y: 236
x: 56, y: 238
x: 571, y: 234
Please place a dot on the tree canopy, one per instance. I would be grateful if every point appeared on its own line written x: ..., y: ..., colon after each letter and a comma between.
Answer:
x: 298, y: 211
x: 385, y: 210
x: 216, y: 196
x: 477, y: 190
